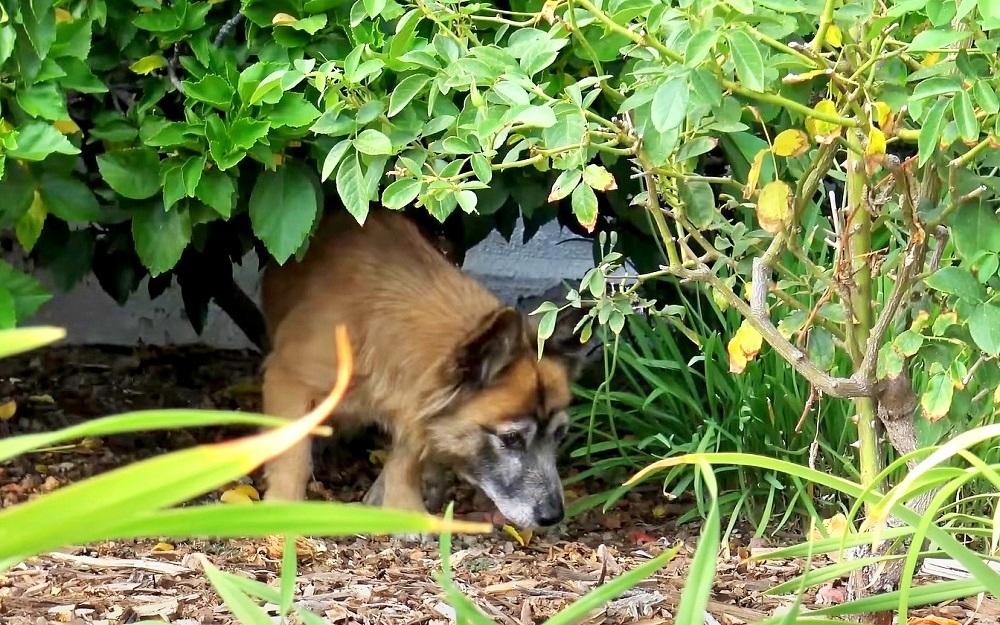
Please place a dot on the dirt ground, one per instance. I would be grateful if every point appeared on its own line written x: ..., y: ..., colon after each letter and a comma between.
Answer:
x: 349, y: 580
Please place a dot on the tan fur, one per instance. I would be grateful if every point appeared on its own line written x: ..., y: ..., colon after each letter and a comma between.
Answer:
x: 407, y: 311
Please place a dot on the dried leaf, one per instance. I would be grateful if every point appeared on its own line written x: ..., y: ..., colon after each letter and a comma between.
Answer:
x: 548, y: 12
x: 743, y: 347
x: 791, y: 142
x: 774, y: 206
x: 378, y: 456
x: 931, y: 620
x: 163, y: 547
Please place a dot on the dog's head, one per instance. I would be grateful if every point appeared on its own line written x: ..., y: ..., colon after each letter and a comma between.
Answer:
x: 502, y: 432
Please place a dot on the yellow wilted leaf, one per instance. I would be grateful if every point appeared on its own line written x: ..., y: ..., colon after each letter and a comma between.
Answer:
x: 823, y: 132
x: 66, y: 126
x: 791, y: 142
x: 882, y: 113
x: 753, y: 177
x: 931, y: 59
x: 282, y: 18
x: 774, y: 206
x: 279, y: 159
x: 41, y: 399
x: 8, y: 410
x: 834, y: 37
x: 148, y: 64
x: 235, y: 496
x: 743, y: 347
x: 163, y: 547
x: 996, y: 396
x: 247, y: 490
x: 599, y: 178
x: 874, y: 151
x: 63, y: 16
x: 791, y: 79
x: 836, y: 526
x: 523, y: 537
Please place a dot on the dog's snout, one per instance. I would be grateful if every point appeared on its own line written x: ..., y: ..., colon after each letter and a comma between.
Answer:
x: 550, y: 514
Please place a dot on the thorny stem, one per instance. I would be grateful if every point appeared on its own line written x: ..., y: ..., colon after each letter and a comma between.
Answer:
x: 859, y: 247
x: 653, y: 200
x: 825, y: 20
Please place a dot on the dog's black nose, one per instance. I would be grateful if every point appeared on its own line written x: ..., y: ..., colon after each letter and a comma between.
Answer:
x: 550, y: 515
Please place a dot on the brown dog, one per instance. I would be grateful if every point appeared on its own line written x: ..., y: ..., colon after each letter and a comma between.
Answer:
x: 446, y: 369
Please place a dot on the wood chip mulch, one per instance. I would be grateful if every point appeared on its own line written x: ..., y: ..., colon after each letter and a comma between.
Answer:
x: 350, y: 580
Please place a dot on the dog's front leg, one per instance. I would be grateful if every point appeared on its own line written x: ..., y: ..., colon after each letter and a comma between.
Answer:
x: 402, y: 484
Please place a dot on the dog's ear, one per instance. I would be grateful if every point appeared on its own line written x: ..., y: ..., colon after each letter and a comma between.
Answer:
x: 500, y: 339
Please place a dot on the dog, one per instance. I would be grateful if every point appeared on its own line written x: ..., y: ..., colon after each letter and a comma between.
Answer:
x: 446, y: 369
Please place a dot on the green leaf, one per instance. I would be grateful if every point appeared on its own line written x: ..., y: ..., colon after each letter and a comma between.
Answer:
x: 29, y: 226
x: 352, y: 188
x: 908, y: 342
x: 160, y: 236
x: 965, y: 117
x: 468, y: 200
x: 46, y: 101
x: 986, y: 97
x: 333, y: 158
x: 283, y: 208
x: 481, y: 167
x: 133, y: 173
x: 293, y: 111
x: 670, y: 104
x: 69, y: 199
x: 984, y: 326
x: 936, y: 398
x: 245, y: 133
x: 976, y: 229
x: 747, y: 58
x: 400, y: 193
x: 957, y: 281
x: 743, y: 6
x: 36, y: 140
x: 39, y: 22
x: 700, y: 46
x: 930, y: 131
x: 928, y: 40
x: 584, y: 202
x: 29, y: 294
x: 216, y: 189
x: 373, y: 143
x: 565, y: 184
x: 936, y: 86
x: 405, y: 91
x: 211, y: 89
x: 822, y: 350
x: 374, y: 8
x: 699, y: 202
x: 536, y: 116
x: 243, y: 607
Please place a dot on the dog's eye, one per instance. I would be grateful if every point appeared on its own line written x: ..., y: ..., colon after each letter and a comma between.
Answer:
x: 512, y: 439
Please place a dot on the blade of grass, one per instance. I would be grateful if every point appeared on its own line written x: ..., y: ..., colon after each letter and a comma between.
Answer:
x: 698, y: 588
x: 19, y: 340
x: 243, y: 607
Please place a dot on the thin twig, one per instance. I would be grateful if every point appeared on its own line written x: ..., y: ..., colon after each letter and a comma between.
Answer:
x: 227, y: 28
x: 172, y: 70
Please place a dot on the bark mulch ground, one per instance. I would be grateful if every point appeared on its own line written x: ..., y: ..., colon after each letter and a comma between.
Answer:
x: 348, y: 580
